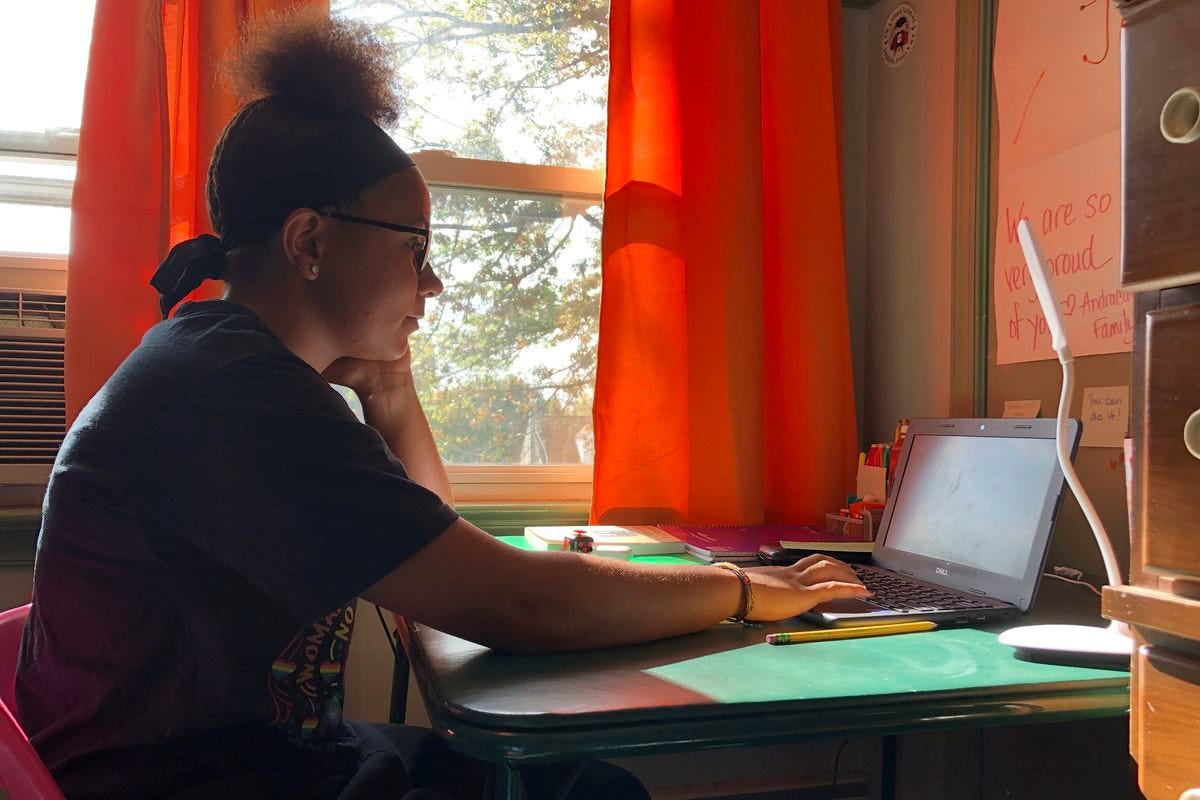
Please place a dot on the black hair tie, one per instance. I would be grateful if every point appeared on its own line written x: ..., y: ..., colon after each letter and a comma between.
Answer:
x: 187, y: 266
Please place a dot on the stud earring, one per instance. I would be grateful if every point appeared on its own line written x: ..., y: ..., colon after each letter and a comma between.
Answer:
x: 315, y: 269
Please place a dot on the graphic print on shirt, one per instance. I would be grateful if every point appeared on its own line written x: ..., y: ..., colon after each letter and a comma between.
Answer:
x: 306, y: 680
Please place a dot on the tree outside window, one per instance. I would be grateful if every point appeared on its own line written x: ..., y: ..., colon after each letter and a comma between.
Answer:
x: 506, y: 358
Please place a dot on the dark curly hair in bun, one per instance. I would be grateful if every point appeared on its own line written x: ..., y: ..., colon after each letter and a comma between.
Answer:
x: 316, y: 90
x: 309, y: 137
x: 327, y: 65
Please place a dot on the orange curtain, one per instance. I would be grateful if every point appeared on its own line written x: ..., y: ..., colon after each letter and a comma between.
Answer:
x: 724, y: 390
x: 152, y: 111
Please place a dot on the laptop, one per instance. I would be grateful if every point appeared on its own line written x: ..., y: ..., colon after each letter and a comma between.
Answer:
x: 965, y: 532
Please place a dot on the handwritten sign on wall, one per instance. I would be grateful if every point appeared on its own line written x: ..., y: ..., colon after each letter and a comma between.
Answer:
x: 1057, y: 68
x: 1105, y: 416
x: 1022, y: 409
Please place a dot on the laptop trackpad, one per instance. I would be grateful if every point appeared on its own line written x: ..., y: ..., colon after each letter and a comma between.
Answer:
x: 849, y: 611
x: 848, y: 605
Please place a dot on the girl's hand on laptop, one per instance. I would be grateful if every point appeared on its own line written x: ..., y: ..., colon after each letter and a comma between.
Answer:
x: 783, y: 592
x: 819, y: 567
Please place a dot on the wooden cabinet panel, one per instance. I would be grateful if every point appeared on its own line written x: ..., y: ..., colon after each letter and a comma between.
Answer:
x: 1152, y: 608
x: 1160, y: 93
x: 1167, y: 748
x: 1169, y: 473
x: 1161, y: 178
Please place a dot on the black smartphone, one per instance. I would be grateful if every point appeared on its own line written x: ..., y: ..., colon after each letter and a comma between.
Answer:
x: 773, y: 555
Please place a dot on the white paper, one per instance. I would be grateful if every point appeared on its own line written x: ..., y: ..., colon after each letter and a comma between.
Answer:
x: 1058, y: 95
x: 1022, y: 409
x: 872, y: 482
x: 1105, y: 416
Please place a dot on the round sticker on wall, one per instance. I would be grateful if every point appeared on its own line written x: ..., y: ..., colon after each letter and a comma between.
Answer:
x: 899, y: 34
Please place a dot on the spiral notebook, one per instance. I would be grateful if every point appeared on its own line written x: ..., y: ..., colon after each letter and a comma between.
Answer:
x: 741, y: 542
x: 706, y: 542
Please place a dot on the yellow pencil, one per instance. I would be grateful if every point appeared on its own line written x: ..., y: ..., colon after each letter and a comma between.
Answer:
x: 829, y: 634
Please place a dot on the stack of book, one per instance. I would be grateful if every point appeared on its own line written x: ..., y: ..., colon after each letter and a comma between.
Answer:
x: 710, y: 543
x: 642, y: 540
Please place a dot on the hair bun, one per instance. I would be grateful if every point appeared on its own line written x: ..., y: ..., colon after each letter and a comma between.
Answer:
x: 328, y: 65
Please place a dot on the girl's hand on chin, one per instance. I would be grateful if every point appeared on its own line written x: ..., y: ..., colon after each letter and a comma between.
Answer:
x: 371, y: 378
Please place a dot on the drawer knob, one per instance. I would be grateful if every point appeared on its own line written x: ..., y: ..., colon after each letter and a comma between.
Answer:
x: 1191, y: 434
x: 1191, y: 794
x: 1180, y: 118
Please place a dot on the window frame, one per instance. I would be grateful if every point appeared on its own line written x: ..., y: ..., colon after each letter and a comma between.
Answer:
x: 55, y: 192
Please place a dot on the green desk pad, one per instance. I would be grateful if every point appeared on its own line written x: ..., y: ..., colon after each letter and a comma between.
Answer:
x: 950, y: 660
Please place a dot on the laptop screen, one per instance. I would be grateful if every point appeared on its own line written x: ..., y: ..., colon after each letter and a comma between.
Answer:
x: 972, y: 500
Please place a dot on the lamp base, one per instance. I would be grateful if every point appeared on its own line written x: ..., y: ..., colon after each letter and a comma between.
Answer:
x: 1074, y: 645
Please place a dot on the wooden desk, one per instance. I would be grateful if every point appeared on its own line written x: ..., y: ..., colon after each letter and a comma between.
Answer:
x: 725, y: 687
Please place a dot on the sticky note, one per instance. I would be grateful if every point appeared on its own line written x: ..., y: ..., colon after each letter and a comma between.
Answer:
x: 1022, y: 409
x: 872, y: 483
x: 1105, y: 416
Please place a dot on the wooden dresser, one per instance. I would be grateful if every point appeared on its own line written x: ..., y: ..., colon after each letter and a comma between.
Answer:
x: 1161, y: 264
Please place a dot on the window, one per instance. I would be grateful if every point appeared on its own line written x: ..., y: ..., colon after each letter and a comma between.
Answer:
x: 39, y: 124
x: 504, y: 109
x: 43, y: 54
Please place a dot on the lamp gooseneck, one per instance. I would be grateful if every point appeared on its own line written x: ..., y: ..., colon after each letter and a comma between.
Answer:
x: 1068, y: 642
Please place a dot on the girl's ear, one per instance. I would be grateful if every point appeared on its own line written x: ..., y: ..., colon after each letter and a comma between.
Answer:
x: 301, y: 240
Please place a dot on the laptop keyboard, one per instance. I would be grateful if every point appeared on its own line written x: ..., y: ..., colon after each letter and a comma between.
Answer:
x: 895, y: 593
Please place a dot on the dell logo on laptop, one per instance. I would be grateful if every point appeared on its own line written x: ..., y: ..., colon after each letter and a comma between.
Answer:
x: 941, y: 570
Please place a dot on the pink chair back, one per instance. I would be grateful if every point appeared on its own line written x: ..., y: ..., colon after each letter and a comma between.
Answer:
x: 23, y: 776
x: 12, y: 625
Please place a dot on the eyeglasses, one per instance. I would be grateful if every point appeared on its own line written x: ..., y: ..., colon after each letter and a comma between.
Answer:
x: 420, y: 252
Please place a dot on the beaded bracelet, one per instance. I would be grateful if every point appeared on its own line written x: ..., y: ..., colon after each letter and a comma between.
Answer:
x: 747, y: 592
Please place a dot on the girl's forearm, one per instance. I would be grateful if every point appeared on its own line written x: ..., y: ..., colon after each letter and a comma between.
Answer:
x: 401, y: 421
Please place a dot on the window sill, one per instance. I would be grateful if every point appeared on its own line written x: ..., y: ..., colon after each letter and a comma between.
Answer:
x: 521, y: 484
x: 510, y: 519
x: 9, y: 260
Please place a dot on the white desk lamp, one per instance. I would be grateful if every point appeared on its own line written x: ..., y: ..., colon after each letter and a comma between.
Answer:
x: 1068, y: 643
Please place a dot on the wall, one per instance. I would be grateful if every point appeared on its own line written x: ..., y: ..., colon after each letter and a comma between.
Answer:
x: 16, y: 584
x: 907, y: 229
x: 900, y: 181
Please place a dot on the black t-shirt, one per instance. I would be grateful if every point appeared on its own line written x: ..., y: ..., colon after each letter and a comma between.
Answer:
x: 211, y: 517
